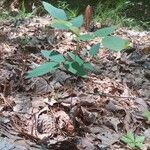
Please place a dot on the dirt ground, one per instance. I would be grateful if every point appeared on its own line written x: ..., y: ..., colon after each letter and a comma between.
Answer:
x: 59, y: 111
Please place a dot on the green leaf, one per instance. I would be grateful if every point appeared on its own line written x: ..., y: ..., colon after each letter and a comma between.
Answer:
x: 55, y: 12
x: 126, y: 140
x: 53, y: 56
x: 147, y: 115
x: 71, y: 55
x: 88, y: 66
x: 68, y: 66
x: 131, y: 145
x: 79, y: 68
x: 114, y: 43
x: 75, y: 68
x: 75, y: 58
x: 133, y: 142
x: 86, y: 37
x: 65, y: 25
x: 61, y: 24
x: 139, y: 145
x: 75, y: 30
x: 105, y: 31
x: 77, y: 21
x: 49, y: 53
x: 76, y: 65
x: 94, y: 49
x: 58, y: 58
x: 139, y: 139
x: 129, y: 140
x: 46, y: 53
x: 130, y: 136
x: 43, y: 69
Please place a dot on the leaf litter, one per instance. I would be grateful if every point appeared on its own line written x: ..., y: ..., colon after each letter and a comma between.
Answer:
x: 59, y: 111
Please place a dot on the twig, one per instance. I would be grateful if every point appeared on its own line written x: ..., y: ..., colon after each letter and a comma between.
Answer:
x: 5, y: 100
x: 109, y: 95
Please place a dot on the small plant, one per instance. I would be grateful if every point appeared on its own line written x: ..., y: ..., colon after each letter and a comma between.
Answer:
x: 72, y: 62
x: 72, y: 12
x: 22, y: 12
x: 107, y: 13
x: 24, y: 40
x: 132, y: 141
x: 147, y: 115
x: 4, y: 15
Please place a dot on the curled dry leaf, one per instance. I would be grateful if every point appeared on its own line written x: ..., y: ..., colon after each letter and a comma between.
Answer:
x: 53, y: 123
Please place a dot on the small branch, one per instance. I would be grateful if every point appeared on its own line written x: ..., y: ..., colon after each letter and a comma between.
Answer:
x: 5, y: 100
x: 109, y: 95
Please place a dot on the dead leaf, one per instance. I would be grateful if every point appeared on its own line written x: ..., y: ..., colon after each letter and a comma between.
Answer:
x: 107, y: 137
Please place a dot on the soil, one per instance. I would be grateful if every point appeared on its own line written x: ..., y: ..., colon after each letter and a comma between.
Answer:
x: 61, y: 111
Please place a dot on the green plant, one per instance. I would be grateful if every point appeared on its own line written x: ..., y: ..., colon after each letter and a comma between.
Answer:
x: 132, y: 141
x: 147, y: 115
x: 72, y: 62
x: 110, y: 12
x: 129, y: 13
x: 24, y: 40
x: 22, y: 12
x: 72, y: 12
x: 4, y: 15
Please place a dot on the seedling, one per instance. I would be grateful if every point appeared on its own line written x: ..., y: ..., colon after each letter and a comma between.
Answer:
x: 132, y: 141
x: 65, y: 6
x: 24, y: 40
x: 73, y: 63
x: 147, y: 115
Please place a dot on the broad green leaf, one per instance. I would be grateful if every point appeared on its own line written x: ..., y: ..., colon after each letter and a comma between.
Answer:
x: 71, y: 55
x: 131, y: 145
x: 139, y: 145
x: 88, y: 66
x: 147, y: 115
x: 126, y: 140
x: 75, y: 58
x: 130, y: 136
x: 77, y: 21
x: 75, y: 30
x: 58, y: 58
x: 43, y: 69
x: 50, y: 53
x: 53, y: 53
x: 53, y: 56
x: 129, y: 140
x: 79, y: 68
x: 104, y: 31
x: 61, y: 24
x: 68, y: 66
x: 94, y: 49
x: 64, y: 25
x: 86, y: 37
x: 114, y: 43
x: 133, y: 142
x: 139, y: 139
x: 46, y: 53
x: 55, y: 12
x: 75, y: 68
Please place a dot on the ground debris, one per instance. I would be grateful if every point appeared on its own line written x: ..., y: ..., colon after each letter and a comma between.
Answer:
x: 58, y: 111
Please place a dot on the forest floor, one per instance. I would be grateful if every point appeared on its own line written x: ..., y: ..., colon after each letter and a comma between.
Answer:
x: 59, y: 111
